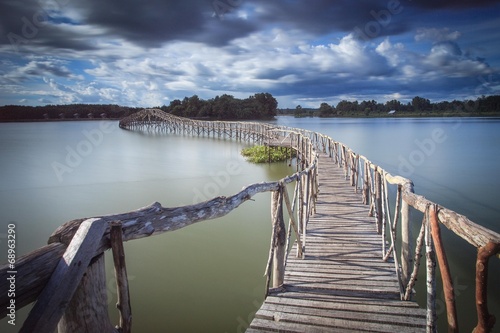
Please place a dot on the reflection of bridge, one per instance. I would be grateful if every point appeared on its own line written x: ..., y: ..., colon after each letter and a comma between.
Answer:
x: 349, y: 272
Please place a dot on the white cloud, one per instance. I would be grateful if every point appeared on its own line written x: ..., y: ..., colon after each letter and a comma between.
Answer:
x: 436, y: 35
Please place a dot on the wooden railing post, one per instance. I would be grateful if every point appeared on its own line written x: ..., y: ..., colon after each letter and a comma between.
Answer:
x: 431, y: 276
x: 406, y: 240
x: 485, y: 321
x: 69, y: 275
x: 123, y: 303
x: 88, y: 310
x: 366, y: 184
x: 279, y: 240
x: 378, y: 200
x: 449, y: 291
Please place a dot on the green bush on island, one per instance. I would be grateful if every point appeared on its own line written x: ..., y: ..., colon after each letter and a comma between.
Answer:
x: 264, y: 154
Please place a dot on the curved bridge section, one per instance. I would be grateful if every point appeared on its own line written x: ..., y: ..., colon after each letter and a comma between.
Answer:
x: 155, y: 120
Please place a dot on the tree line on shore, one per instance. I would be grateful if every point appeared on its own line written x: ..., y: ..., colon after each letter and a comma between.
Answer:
x: 418, y: 106
x: 225, y: 107
x: 64, y: 112
x: 258, y: 106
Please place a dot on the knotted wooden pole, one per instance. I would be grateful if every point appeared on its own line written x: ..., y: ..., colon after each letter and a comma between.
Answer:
x: 449, y: 291
x: 485, y: 321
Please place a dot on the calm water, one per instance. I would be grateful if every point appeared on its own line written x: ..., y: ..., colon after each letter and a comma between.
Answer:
x: 209, y: 277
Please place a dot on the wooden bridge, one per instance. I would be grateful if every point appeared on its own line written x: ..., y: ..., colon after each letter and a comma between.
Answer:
x: 348, y: 271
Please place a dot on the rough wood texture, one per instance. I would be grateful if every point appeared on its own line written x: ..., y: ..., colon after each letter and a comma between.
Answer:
x: 486, y: 321
x: 449, y: 291
x: 123, y: 304
x: 406, y: 241
x: 58, y: 292
x: 342, y: 284
x: 88, y: 310
x: 430, y: 278
x: 279, y: 240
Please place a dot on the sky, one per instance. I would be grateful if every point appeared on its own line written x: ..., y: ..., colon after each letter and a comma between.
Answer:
x: 148, y: 53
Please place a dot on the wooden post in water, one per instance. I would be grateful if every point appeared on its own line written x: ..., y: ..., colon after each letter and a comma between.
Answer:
x: 279, y: 240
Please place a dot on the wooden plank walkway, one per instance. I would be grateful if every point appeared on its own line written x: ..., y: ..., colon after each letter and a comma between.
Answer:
x: 342, y: 284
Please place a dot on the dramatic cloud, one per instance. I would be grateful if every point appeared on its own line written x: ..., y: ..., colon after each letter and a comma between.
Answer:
x: 147, y: 54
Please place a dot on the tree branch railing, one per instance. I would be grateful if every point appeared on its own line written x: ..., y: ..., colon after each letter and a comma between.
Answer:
x: 37, y: 270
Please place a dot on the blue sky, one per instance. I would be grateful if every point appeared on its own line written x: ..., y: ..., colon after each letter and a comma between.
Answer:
x: 148, y: 53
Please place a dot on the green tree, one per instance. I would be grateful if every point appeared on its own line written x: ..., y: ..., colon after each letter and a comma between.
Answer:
x: 326, y: 110
x: 393, y: 105
x: 421, y: 104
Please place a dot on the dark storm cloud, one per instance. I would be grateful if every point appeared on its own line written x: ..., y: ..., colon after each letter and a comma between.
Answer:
x: 156, y: 22
x: 153, y: 23
x: 452, y: 4
x: 322, y: 16
x: 30, y: 23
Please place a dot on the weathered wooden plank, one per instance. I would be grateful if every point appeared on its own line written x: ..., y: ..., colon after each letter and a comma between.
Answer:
x: 289, y: 327
x: 333, y: 324
x: 56, y: 295
x: 353, y: 313
x: 332, y: 300
x: 342, y: 284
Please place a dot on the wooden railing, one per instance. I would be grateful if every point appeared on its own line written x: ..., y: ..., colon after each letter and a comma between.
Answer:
x: 373, y: 183
x: 67, y: 278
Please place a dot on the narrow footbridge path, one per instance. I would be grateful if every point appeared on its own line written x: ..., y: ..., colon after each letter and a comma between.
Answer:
x: 341, y: 284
